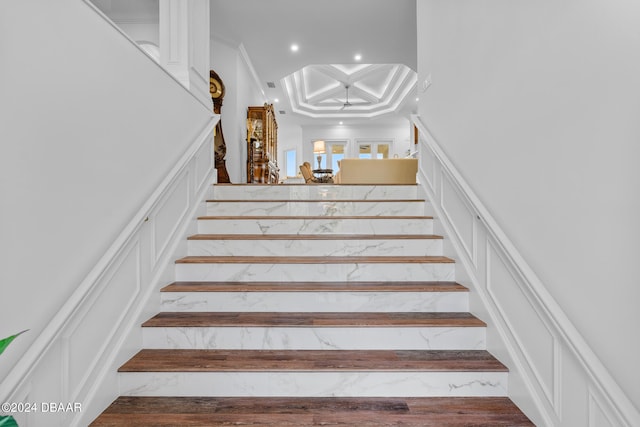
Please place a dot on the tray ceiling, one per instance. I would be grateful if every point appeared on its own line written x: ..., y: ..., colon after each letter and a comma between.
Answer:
x: 320, y: 91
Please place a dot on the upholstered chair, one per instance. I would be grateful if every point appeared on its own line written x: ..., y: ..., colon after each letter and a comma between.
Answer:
x: 305, y: 169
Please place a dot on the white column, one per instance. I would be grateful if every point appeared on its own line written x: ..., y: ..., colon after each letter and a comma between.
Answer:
x: 184, y: 44
x: 199, y: 50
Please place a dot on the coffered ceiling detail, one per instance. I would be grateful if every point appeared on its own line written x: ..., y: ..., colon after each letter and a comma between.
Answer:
x: 349, y: 90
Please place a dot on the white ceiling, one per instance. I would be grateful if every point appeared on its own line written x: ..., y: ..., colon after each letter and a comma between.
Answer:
x: 329, y: 34
x: 346, y: 91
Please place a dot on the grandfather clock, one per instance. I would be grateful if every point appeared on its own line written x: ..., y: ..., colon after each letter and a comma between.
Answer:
x: 216, y: 88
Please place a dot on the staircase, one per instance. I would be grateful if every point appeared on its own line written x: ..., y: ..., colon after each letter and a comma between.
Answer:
x: 304, y: 305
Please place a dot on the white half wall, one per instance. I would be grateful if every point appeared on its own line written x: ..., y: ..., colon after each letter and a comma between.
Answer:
x: 90, y: 127
x: 537, y: 104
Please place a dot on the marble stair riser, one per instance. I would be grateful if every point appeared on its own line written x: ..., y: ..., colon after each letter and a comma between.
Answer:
x: 313, y: 208
x: 333, y: 247
x: 315, y: 192
x: 327, y: 225
x: 316, y: 272
x: 315, y: 301
x: 329, y: 383
x: 315, y: 338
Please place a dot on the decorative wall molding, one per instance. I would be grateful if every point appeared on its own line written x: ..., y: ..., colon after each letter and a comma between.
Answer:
x: 598, y: 416
x: 512, y: 304
x: 554, y: 375
x: 174, y: 204
x: 73, y: 359
x: 464, y: 228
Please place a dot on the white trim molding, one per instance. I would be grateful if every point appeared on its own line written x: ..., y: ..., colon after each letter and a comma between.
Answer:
x: 555, y: 377
x: 75, y: 358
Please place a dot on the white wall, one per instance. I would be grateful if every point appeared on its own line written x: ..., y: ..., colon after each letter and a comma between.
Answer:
x: 537, y: 104
x: 241, y: 91
x: 89, y: 126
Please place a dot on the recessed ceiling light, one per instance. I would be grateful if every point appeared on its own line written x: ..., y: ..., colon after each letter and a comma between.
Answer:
x: 294, y: 47
x: 417, y: 99
x: 277, y: 100
x: 341, y: 122
x: 358, y: 57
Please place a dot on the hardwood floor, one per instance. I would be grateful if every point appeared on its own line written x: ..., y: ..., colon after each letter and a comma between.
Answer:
x: 302, y: 412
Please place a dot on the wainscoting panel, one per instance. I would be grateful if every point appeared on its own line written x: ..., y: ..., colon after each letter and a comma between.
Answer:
x: 597, y: 414
x: 428, y: 165
x: 554, y: 376
x: 99, y: 324
x: 168, y: 214
x: 461, y: 216
x: 119, y: 288
x: 536, y: 340
x: 203, y: 164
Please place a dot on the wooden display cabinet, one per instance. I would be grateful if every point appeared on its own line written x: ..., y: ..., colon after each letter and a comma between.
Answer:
x: 262, y: 145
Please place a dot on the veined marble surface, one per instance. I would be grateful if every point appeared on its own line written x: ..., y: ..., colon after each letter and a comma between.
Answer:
x: 315, y: 192
x: 329, y: 225
x: 316, y: 272
x: 342, y: 247
x: 315, y: 338
x: 314, y: 208
x: 365, y: 384
x: 315, y: 301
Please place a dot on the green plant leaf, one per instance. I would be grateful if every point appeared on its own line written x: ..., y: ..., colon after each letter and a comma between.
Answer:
x: 5, y: 342
x: 8, y: 421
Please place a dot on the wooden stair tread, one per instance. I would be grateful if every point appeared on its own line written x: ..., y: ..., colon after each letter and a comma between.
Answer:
x: 314, y: 287
x: 284, y: 319
x: 313, y: 237
x: 313, y: 411
x: 313, y: 259
x: 241, y: 184
x: 152, y: 360
x: 316, y: 201
x: 308, y: 217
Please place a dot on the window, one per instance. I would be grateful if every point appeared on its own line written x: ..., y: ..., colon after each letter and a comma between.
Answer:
x: 290, y: 164
x: 337, y: 154
x: 373, y: 150
x: 334, y: 151
x: 364, y: 151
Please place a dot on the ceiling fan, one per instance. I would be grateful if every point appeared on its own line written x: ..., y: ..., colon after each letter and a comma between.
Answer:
x: 347, y: 103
